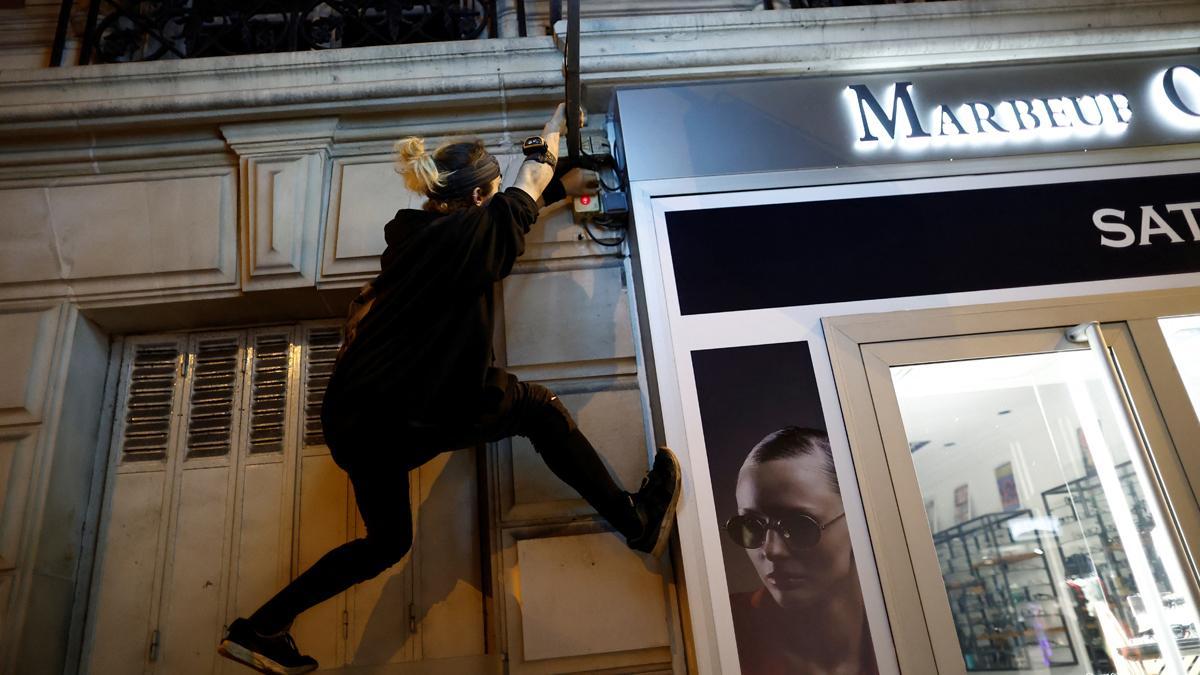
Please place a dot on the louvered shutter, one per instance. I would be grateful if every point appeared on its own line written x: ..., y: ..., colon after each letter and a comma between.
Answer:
x: 149, y: 403
x: 137, y: 497
x: 268, y: 392
x: 322, y: 347
x: 215, y: 375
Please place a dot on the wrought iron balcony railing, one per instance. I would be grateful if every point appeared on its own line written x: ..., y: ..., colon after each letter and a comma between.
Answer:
x: 119, y: 31
x: 146, y: 30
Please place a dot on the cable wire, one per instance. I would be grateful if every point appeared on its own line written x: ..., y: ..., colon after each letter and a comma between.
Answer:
x: 600, y: 179
x: 603, y: 242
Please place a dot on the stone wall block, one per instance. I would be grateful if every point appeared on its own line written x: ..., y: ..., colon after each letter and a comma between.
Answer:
x: 557, y: 316
x: 556, y: 236
x: 16, y: 464
x: 140, y: 233
x: 608, y: 411
x: 279, y: 220
x: 284, y: 169
x: 365, y: 193
x: 28, y: 338
x: 581, y: 601
x: 19, y: 455
x: 6, y: 586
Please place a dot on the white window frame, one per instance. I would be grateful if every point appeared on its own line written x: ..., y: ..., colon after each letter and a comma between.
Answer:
x: 668, y: 338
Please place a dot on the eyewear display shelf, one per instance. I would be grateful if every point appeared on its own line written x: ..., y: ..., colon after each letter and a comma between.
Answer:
x: 1002, y: 596
x: 1089, y: 545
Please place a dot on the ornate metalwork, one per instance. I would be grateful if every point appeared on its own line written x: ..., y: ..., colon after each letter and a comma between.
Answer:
x: 812, y: 4
x: 146, y: 30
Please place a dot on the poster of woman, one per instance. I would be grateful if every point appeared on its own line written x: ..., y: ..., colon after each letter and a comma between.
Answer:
x: 794, y: 590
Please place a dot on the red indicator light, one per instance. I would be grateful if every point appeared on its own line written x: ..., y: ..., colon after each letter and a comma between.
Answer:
x: 585, y: 200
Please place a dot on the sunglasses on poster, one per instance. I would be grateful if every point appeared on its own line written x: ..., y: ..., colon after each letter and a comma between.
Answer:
x: 799, y: 530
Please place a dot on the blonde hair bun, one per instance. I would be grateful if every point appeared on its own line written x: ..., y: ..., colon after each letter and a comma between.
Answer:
x: 420, y: 173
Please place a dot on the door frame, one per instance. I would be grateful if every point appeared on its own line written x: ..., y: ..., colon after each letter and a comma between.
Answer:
x: 856, y: 345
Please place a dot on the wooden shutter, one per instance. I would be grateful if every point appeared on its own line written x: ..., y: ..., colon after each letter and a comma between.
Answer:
x: 191, y: 605
x: 215, y: 375
x: 268, y: 392
x: 322, y: 349
x: 264, y: 499
x: 127, y: 567
x: 148, y: 406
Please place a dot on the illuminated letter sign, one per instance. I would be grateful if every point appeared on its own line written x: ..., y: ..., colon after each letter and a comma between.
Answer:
x: 901, y: 102
x: 899, y: 118
x: 1053, y: 117
x: 1185, y: 79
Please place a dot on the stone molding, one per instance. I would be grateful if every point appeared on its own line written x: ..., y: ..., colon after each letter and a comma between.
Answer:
x: 632, y: 51
x: 261, y: 86
x: 878, y: 37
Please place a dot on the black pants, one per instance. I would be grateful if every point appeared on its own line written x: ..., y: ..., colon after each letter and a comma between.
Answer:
x: 378, y: 452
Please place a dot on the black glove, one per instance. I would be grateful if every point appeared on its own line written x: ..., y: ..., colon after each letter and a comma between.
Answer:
x: 555, y: 190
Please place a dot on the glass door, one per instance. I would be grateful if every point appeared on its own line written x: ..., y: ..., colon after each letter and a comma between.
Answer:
x: 1034, y: 478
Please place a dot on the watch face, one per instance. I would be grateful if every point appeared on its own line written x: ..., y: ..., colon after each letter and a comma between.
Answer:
x: 533, y: 143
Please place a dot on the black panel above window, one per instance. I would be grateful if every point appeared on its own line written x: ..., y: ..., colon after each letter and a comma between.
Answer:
x: 806, y: 253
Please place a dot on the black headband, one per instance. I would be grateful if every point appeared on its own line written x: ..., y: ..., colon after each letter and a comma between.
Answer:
x: 460, y: 183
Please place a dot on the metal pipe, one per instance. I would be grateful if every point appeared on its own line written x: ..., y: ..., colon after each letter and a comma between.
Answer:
x: 60, y: 33
x: 573, y: 88
x: 489, y: 9
x: 89, y: 31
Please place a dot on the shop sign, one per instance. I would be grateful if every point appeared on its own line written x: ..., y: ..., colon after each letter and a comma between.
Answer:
x: 895, y: 118
x: 958, y: 113
x: 1118, y: 233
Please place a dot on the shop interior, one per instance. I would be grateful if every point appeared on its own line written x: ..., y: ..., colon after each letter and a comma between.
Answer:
x: 1053, y: 558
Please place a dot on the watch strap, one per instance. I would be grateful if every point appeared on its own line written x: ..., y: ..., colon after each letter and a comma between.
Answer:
x: 546, y: 157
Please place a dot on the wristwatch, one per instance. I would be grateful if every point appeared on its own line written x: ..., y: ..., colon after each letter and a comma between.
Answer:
x: 535, y: 148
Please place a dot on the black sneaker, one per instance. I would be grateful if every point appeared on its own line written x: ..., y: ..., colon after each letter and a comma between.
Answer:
x: 276, y: 654
x: 655, y: 504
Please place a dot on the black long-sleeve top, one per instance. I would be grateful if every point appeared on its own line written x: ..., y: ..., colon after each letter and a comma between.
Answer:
x: 423, y: 350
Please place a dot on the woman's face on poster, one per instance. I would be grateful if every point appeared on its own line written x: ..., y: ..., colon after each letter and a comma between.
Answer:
x: 796, y: 577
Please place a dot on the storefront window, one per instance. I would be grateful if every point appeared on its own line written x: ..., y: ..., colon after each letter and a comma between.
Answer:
x: 1050, y: 552
x: 1183, y: 337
